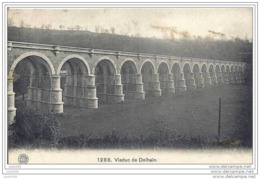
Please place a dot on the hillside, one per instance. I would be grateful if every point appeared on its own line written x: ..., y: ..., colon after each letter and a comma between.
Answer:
x: 198, y: 48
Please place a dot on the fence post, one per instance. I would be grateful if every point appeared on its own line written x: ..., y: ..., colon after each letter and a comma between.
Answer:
x: 219, y: 119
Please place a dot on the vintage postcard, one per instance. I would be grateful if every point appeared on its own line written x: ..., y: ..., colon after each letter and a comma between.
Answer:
x: 129, y: 88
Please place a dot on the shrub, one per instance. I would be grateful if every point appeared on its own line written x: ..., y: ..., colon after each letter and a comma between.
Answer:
x: 80, y: 141
x: 35, y: 129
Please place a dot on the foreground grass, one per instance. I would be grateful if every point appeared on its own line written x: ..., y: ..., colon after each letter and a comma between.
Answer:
x: 184, y: 120
x: 192, y: 114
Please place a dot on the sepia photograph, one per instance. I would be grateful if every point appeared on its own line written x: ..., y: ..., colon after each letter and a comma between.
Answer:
x: 130, y: 85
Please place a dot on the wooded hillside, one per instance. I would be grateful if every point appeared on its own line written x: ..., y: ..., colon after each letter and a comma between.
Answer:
x: 233, y: 50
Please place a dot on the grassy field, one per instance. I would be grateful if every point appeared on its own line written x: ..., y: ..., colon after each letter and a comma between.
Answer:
x: 191, y: 114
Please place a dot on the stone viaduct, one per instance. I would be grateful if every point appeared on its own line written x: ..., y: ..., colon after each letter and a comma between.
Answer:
x: 85, y: 77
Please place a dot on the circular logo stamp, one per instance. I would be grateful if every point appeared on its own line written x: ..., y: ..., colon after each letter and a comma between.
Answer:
x: 23, y: 159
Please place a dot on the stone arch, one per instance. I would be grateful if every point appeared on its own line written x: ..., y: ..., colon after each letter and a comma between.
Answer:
x: 74, y: 71
x: 231, y: 76
x: 44, y: 78
x: 211, y: 68
x: 212, y: 73
x: 40, y: 77
x: 223, y: 69
x: 163, y: 71
x: 188, y: 76
x: 107, y: 65
x: 199, y: 82
x: 227, y: 69
x: 39, y: 95
x: 211, y: 65
x: 105, y: 58
x: 176, y: 71
x: 236, y: 75
x: 165, y: 63
x: 232, y: 69
x: 128, y: 60
x: 147, y: 61
x: 131, y: 64
x: 223, y: 72
x: 219, y: 75
x: 147, y: 71
x: 73, y: 56
x: 47, y: 61
x: 187, y: 67
x: 240, y: 74
x: 105, y: 72
x: 176, y: 63
x: 195, y: 67
x: 204, y: 68
x: 128, y: 71
x: 206, y: 75
x: 217, y: 68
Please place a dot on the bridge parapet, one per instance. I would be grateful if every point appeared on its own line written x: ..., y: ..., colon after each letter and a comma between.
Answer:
x: 57, y: 48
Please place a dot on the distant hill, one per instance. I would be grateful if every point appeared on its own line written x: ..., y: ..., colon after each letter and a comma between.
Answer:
x: 198, y: 48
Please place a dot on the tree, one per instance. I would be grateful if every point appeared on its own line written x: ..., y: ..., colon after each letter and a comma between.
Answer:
x: 43, y: 26
x: 21, y: 23
x: 62, y: 27
x: 112, y: 30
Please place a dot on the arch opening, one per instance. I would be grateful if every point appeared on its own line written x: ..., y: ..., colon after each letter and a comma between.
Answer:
x: 189, y: 77
x: 74, y: 82
x: 240, y: 75
x: 227, y: 69
x: 199, y: 82
x: 29, y: 85
x: 176, y: 71
x: 204, y: 71
x: 236, y: 75
x: 147, y: 72
x: 105, y: 81
x: 206, y: 75
x: 232, y: 69
x: 223, y: 68
x: 128, y: 72
x: 217, y: 69
x: 213, y: 75
x: 219, y: 75
x: 163, y: 72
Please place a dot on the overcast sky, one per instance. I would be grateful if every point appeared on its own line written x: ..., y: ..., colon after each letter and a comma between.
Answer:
x: 233, y: 22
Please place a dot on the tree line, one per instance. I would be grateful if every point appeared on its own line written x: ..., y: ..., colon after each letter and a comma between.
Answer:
x: 232, y: 50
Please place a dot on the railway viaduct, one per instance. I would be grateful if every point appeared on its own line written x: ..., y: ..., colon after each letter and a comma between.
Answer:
x: 61, y: 75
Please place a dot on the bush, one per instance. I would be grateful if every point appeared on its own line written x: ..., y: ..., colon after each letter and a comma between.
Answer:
x: 35, y: 129
x: 163, y: 136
